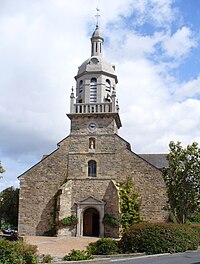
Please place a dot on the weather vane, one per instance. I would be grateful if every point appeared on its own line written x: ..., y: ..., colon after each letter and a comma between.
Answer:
x: 97, y: 16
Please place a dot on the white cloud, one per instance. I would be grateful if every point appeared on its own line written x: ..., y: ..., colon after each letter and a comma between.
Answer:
x: 151, y: 116
x: 180, y: 43
x: 137, y: 46
x: 158, y: 12
x: 162, y: 11
x: 189, y: 89
x: 44, y: 41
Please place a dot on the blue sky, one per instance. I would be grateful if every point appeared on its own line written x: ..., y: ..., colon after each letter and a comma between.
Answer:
x: 153, y: 43
x: 190, y: 12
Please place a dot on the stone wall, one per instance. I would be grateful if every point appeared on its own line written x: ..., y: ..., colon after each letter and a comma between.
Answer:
x: 115, y: 163
x: 147, y: 179
x: 37, y: 189
x: 105, y: 123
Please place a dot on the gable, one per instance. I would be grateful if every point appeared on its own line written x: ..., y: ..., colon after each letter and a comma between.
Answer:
x: 45, y: 157
x: 91, y: 200
x: 156, y: 161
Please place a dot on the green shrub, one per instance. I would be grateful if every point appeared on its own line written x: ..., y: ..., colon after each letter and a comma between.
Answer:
x: 195, y: 218
x: 110, y: 220
x: 103, y: 246
x: 197, y: 228
x: 159, y: 238
x: 17, y: 252
x: 76, y: 255
x: 47, y: 258
x: 70, y: 220
x: 27, y: 251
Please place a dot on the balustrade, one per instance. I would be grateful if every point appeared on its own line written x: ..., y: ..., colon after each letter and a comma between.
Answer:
x: 81, y: 108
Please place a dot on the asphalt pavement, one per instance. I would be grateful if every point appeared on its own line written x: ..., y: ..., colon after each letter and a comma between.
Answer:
x: 189, y: 257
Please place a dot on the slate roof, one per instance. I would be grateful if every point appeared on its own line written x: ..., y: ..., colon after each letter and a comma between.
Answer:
x: 158, y: 160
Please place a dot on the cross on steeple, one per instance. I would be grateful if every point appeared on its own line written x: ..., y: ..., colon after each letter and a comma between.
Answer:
x: 97, y: 16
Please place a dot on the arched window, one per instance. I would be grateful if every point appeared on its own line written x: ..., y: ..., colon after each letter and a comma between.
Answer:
x: 92, y: 168
x: 91, y: 143
x: 93, y: 90
x: 108, y: 85
x: 80, y: 86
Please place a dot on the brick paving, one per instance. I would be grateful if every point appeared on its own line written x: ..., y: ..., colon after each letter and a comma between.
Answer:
x: 59, y: 246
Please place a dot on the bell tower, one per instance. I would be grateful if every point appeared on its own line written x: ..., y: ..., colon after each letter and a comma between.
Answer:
x: 94, y: 98
x: 83, y: 171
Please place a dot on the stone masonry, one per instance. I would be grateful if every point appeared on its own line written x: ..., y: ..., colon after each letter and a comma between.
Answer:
x: 66, y: 169
x: 83, y: 172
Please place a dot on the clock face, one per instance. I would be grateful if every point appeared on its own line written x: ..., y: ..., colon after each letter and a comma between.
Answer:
x: 92, y: 126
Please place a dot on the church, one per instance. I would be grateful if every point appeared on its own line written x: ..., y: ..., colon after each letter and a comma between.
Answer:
x: 80, y: 178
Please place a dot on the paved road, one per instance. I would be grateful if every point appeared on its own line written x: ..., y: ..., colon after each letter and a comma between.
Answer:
x: 192, y: 257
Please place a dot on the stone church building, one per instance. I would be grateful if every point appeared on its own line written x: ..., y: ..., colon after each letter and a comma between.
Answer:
x: 83, y: 172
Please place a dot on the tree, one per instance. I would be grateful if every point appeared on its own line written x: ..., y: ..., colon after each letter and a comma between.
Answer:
x: 129, y: 204
x: 9, y: 201
x: 183, y: 180
x: 1, y: 169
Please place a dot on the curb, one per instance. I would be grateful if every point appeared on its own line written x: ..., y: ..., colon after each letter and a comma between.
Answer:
x: 102, y: 258
x: 97, y: 260
x: 115, y: 258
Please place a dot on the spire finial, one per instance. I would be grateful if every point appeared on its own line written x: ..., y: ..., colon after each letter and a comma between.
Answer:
x: 97, y: 16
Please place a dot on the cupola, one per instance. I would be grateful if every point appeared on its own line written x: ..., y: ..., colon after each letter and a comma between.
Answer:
x: 96, y: 43
x: 96, y: 81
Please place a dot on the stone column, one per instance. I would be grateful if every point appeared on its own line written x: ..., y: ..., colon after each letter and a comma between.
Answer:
x: 113, y: 96
x: 79, y: 210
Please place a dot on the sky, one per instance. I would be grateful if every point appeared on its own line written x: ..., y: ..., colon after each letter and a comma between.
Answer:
x: 154, y: 45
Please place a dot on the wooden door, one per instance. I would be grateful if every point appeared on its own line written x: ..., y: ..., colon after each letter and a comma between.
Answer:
x: 91, y: 222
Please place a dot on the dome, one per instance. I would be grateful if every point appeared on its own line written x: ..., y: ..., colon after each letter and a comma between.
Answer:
x: 96, y: 64
x: 96, y: 34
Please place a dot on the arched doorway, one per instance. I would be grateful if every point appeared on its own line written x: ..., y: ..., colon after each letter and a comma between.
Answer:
x: 83, y: 210
x: 91, y: 222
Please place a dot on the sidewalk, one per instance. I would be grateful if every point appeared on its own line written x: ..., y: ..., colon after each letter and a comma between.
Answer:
x: 59, y: 246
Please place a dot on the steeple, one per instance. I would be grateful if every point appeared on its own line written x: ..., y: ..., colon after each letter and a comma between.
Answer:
x: 96, y: 43
x: 95, y: 84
